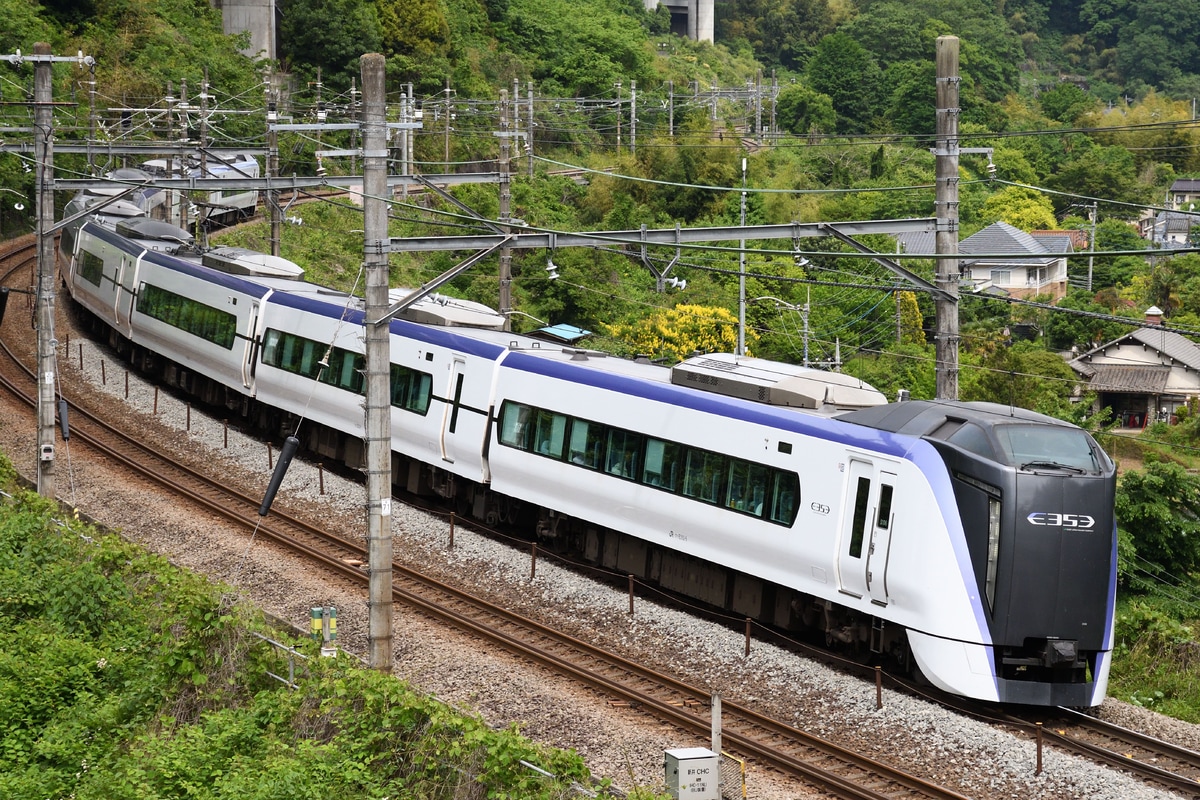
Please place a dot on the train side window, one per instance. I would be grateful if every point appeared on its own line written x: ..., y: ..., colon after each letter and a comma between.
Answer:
x: 859, y: 523
x: 514, y: 425
x: 785, y: 498
x: 91, y: 267
x: 737, y: 485
x: 884, y: 518
x: 661, y: 468
x: 550, y: 433
x: 411, y: 390
x: 704, y: 478
x: 188, y: 315
x: 758, y: 478
x: 587, y: 439
x: 345, y: 370
x: 624, y: 452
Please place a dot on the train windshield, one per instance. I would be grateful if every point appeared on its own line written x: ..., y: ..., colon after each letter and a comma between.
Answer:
x: 1049, y: 447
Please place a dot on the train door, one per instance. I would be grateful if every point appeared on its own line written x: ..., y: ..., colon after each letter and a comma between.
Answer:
x: 454, y: 391
x: 881, y: 540
x: 125, y: 280
x: 248, y: 354
x: 859, y: 510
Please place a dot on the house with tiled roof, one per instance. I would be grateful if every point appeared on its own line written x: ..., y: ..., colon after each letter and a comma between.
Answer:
x: 1017, y: 262
x: 1184, y: 193
x: 1007, y: 259
x: 1144, y: 375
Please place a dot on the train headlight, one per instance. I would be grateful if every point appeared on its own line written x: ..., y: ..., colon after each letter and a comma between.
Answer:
x: 993, y: 550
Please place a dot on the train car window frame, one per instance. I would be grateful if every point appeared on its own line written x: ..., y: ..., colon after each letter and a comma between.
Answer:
x: 201, y: 320
x: 91, y: 267
x: 343, y: 369
x: 739, y: 485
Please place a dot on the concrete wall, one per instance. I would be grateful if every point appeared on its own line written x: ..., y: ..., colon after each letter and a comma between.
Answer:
x: 699, y: 15
x: 255, y: 16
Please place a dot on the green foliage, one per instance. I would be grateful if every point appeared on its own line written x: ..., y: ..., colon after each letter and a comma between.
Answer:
x: 123, y: 678
x: 1023, y: 375
x: 906, y: 366
x: 848, y: 74
x: 802, y: 110
x: 676, y: 333
x: 1027, y: 209
x: 329, y: 35
x: 1159, y: 507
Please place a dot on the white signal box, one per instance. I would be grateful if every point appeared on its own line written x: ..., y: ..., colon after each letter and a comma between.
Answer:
x: 692, y: 773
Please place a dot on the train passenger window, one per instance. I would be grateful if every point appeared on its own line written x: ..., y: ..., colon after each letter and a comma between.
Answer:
x: 345, y: 370
x: 704, y: 476
x: 859, y: 523
x: 884, y: 518
x: 411, y: 390
x: 188, y: 315
x: 737, y: 486
x: 514, y: 425
x: 91, y: 267
x: 624, y: 453
x: 785, y: 498
x: 550, y: 433
x: 587, y: 439
x: 758, y: 478
x: 661, y: 468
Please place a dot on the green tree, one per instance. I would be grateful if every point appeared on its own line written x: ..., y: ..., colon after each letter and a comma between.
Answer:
x: 896, y: 367
x: 1027, y: 209
x: 802, y: 110
x: 676, y: 333
x: 330, y: 35
x: 1065, y: 102
x: 1159, y: 510
x: 912, y: 324
x: 843, y: 70
x: 1022, y: 375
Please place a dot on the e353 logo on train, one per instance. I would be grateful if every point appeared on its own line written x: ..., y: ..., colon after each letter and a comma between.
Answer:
x: 1051, y: 520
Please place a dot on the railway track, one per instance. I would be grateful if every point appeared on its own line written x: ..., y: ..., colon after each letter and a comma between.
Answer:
x: 1150, y: 759
x: 770, y: 743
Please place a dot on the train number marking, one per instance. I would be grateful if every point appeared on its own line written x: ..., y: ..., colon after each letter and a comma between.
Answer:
x: 1051, y: 520
x: 820, y: 508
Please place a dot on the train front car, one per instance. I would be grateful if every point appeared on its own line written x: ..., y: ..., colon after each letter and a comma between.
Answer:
x: 1035, y: 497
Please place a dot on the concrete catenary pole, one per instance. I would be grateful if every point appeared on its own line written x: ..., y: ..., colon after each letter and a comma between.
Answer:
x: 505, y: 210
x: 946, y: 212
x: 378, y: 364
x: 43, y: 122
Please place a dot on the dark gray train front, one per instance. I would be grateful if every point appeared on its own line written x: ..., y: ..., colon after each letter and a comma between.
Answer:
x: 1036, y: 499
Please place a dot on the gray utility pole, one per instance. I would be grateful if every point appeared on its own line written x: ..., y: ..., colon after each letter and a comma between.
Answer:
x: 378, y: 364
x: 946, y: 212
x: 43, y: 123
x: 741, y: 333
x: 505, y: 202
x: 272, y: 195
x: 1092, y: 244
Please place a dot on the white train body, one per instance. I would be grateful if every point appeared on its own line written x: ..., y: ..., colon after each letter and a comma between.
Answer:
x: 877, y: 526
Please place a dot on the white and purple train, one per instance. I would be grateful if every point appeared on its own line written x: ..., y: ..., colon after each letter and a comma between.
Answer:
x: 972, y: 543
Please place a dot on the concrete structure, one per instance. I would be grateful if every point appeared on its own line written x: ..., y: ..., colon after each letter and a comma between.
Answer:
x: 690, y: 18
x: 1143, y: 376
x: 255, y: 16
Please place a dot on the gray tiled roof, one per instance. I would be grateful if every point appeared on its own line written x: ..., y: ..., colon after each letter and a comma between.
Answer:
x: 1000, y: 238
x: 1169, y: 343
x: 1141, y: 379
